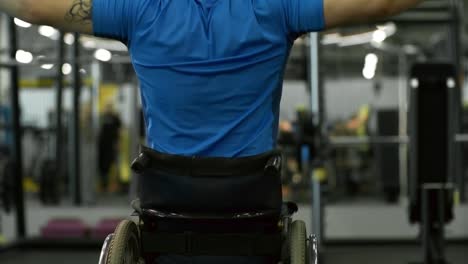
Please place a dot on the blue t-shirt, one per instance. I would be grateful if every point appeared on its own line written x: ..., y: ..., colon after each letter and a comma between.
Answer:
x: 211, y: 71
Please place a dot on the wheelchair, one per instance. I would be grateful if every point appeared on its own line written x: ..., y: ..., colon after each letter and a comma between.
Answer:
x: 271, y: 234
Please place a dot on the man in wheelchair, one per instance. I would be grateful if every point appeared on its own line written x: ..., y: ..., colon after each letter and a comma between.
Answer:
x: 210, y: 210
x: 211, y: 74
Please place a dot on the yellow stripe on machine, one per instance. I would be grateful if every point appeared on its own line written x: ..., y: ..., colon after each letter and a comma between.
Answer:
x: 320, y: 174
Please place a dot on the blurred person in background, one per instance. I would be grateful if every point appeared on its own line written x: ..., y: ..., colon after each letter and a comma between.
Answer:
x: 108, y: 147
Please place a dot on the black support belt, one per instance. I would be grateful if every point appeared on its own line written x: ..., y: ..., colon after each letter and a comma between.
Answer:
x: 269, y: 162
x: 196, y: 244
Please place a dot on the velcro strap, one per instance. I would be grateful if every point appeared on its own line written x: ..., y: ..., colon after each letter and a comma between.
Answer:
x: 196, y: 244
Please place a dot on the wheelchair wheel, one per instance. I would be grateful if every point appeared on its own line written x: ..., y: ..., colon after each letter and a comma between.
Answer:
x: 298, y: 243
x: 124, y: 247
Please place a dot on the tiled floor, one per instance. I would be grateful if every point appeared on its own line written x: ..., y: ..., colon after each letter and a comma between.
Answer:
x: 398, y: 254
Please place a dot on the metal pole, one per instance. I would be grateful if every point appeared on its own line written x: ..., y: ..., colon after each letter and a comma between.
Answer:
x: 455, y: 32
x: 457, y: 7
x: 317, y: 209
x: 17, y: 154
x: 403, y: 122
x: 318, y: 111
x: 134, y: 137
x: 347, y: 141
x: 58, y: 107
x: 455, y: 152
x: 413, y: 179
x: 96, y: 77
x: 76, y: 161
x: 441, y: 204
x: 4, y: 56
x: 426, y: 226
x: 314, y: 77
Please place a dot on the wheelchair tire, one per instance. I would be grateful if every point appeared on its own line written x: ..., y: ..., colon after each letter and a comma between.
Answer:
x: 298, y: 243
x: 124, y: 247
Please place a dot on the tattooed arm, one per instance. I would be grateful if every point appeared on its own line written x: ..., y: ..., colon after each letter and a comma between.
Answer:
x: 68, y: 15
x: 80, y: 12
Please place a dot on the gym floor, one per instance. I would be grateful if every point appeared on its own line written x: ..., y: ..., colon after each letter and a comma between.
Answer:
x: 381, y: 254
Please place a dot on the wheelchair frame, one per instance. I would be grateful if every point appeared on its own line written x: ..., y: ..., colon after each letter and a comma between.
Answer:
x: 294, y: 247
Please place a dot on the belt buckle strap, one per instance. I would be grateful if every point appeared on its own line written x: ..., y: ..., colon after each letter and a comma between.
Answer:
x: 141, y: 163
x: 273, y: 166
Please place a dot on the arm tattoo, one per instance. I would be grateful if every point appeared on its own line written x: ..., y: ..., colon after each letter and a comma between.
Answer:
x: 79, y: 12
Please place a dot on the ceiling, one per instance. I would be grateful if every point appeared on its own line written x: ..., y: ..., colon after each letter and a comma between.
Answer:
x: 432, y: 41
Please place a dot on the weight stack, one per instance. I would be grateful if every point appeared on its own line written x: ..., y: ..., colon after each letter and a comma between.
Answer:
x: 430, y: 130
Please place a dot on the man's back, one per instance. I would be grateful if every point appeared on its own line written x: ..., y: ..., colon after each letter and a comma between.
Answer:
x: 210, y: 70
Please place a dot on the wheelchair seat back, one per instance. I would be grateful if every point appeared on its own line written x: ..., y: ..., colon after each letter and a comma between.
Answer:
x: 209, y: 186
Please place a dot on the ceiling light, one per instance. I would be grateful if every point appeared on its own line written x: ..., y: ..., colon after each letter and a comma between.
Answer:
x: 451, y: 83
x: 390, y: 28
x: 66, y: 69
x: 89, y: 44
x: 370, y: 66
x: 47, y: 66
x: 21, y: 23
x: 379, y: 36
x: 103, y: 55
x: 414, y: 83
x: 95, y: 43
x: 371, y: 59
x: 49, y: 32
x: 69, y: 38
x: 332, y: 38
x: 24, y: 56
x: 368, y: 73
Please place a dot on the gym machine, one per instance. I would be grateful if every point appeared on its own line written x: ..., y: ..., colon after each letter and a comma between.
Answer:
x: 17, y: 193
x: 431, y: 128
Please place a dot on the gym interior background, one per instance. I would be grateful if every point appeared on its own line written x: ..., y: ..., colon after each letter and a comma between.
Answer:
x: 348, y: 128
